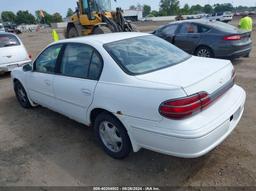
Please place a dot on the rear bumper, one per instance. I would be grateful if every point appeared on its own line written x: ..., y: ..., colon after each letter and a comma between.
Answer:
x: 190, y: 143
x: 240, y: 53
x: 10, y: 66
x: 233, y: 51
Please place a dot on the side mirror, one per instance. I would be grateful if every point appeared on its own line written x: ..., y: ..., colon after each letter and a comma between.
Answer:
x: 27, y: 67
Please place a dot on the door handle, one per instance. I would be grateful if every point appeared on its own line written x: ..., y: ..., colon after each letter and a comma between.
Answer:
x: 86, y: 92
x: 47, y: 82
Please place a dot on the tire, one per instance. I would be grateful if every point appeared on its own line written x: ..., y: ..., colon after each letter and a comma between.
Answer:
x: 102, y: 30
x: 204, y: 51
x: 21, y: 95
x: 72, y: 33
x: 134, y: 28
x: 112, y: 136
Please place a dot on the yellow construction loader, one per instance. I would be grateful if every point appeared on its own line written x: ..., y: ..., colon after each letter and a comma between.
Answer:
x: 96, y: 17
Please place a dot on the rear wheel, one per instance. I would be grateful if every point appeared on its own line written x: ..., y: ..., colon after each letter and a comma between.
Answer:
x: 112, y: 136
x: 101, y: 30
x: 21, y: 95
x: 72, y: 33
x: 204, y: 51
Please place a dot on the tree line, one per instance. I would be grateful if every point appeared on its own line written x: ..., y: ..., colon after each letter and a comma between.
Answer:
x: 166, y: 8
x: 25, y: 17
x: 173, y: 7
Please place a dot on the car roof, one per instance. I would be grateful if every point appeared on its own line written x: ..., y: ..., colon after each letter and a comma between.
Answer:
x: 199, y: 21
x: 105, y: 38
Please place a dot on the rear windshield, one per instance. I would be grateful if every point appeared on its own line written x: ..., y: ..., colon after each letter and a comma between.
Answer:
x: 145, y: 54
x: 8, y: 40
x: 223, y: 26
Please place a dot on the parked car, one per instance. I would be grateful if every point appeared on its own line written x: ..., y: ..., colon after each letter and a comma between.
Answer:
x: 223, y: 17
x: 207, y: 38
x: 11, y: 28
x: 2, y: 28
x: 12, y: 52
x: 137, y: 91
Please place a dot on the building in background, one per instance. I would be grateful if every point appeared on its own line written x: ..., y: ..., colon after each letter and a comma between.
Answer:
x: 133, y: 15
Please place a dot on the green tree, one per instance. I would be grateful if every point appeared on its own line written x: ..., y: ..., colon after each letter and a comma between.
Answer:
x: 146, y: 10
x: 24, y: 17
x: 185, y: 10
x: 56, y: 18
x: 47, y: 19
x: 8, y: 16
x: 223, y: 7
x: 70, y: 12
x: 208, y: 9
x: 154, y: 13
x: 169, y: 7
x: 195, y: 9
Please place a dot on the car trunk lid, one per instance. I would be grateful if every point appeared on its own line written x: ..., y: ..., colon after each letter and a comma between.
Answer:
x: 194, y: 75
x: 12, y: 54
x: 11, y: 50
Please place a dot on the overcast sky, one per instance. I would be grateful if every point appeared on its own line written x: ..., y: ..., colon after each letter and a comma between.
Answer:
x: 61, y: 6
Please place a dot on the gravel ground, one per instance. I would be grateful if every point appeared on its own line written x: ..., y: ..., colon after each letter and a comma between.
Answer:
x: 41, y: 148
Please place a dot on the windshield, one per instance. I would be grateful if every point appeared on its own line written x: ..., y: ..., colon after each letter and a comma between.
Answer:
x: 145, y: 54
x: 104, y: 5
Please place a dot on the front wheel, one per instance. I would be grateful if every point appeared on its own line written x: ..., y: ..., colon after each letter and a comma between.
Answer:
x: 102, y: 30
x: 21, y: 95
x: 72, y: 33
x: 112, y: 136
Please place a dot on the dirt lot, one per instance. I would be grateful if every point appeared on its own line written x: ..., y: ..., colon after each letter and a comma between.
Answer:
x: 41, y: 148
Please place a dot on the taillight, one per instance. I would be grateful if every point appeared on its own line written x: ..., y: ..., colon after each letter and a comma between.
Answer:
x: 184, y: 107
x: 233, y: 37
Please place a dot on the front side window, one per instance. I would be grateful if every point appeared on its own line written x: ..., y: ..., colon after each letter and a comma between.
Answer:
x: 7, y: 40
x: 46, y: 62
x: 76, y: 60
x: 145, y: 54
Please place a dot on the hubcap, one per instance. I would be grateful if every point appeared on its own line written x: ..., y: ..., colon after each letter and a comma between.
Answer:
x: 110, y: 136
x: 21, y: 94
x: 204, y: 53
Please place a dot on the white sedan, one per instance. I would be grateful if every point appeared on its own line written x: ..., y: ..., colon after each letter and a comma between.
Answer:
x: 12, y: 52
x: 137, y: 91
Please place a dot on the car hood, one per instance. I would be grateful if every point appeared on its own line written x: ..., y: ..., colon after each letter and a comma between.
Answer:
x: 193, y: 75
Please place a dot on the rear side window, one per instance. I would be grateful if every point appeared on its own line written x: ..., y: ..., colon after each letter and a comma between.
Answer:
x: 76, y: 60
x: 7, y: 40
x: 203, y: 29
x: 81, y: 61
x: 188, y: 28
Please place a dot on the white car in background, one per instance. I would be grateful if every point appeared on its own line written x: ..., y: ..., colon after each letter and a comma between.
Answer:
x: 12, y: 52
x: 223, y: 17
x: 137, y: 91
x: 2, y: 28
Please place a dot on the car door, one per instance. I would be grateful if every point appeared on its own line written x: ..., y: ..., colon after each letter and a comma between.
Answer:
x: 187, y: 37
x: 168, y: 32
x: 76, y: 81
x: 40, y: 84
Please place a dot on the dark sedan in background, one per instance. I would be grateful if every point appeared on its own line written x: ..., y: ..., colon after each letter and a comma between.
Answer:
x: 207, y: 38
